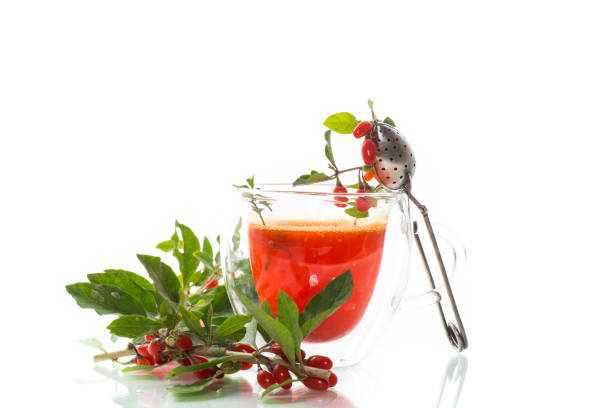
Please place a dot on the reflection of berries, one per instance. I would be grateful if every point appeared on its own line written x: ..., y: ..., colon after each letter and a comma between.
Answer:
x: 362, y: 129
x: 265, y: 379
x: 321, y: 362
x: 244, y: 348
x: 340, y: 189
x: 281, y: 374
x: 362, y: 204
x: 368, y: 152
x: 205, y: 373
x: 184, y: 342
x: 333, y: 380
x: 316, y: 383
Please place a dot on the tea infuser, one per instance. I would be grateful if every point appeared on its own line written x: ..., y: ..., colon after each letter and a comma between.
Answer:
x: 394, y: 168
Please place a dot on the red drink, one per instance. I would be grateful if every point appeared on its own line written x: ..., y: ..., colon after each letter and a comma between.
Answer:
x: 302, y: 257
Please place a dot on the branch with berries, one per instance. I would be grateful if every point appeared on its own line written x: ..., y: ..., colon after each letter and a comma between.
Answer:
x: 347, y: 123
x: 187, y: 320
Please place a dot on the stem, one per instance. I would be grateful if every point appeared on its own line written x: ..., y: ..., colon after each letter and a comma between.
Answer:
x: 207, y: 351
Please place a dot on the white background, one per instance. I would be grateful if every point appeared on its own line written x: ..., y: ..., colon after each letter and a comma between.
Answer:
x: 118, y: 117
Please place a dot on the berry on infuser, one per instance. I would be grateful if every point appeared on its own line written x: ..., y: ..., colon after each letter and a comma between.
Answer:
x: 362, y: 129
x: 368, y: 152
x: 184, y: 342
x: 281, y: 374
x: 265, y: 379
x: 321, y: 362
x: 316, y: 383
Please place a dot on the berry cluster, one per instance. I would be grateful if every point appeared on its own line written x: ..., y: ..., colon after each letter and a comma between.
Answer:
x: 156, y: 350
x: 281, y: 374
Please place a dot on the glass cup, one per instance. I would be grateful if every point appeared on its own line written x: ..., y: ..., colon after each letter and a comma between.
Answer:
x: 297, y: 239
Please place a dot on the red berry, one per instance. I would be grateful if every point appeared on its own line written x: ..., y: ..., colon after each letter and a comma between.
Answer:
x: 143, y: 361
x: 143, y: 350
x: 368, y: 152
x: 316, y: 383
x: 332, y: 380
x: 186, y: 361
x: 362, y: 129
x: 215, y: 369
x: 321, y: 362
x: 155, y: 347
x: 362, y: 204
x: 161, y: 358
x: 151, y: 360
x: 265, y: 379
x: 184, y: 342
x: 205, y: 373
x: 148, y: 337
x: 244, y: 348
x: 281, y: 374
x: 210, y: 283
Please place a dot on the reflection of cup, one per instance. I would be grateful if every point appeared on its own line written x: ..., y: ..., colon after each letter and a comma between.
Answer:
x: 298, y: 240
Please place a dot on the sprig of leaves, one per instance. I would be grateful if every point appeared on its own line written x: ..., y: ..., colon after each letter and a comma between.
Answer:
x: 259, y: 202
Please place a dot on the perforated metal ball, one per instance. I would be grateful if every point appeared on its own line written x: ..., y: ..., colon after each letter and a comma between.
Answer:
x: 395, y: 163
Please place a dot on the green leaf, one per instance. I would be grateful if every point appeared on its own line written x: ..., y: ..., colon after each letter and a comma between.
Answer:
x: 342, y: 122
x: 273, y: 327
x: 93, y: 342
x: 205, y: 259
x: 221, y: 302
x: 313, y: 177
x: 288, y: 315
x: 326, y: 302
x: 124, y: 281
x: 197, y: 367
x: 328, y: 150
x: 193, y: 323
x: 165, y: 246
x: 207, y: 247
x: 236, y: 236
x: 187, y: 262
x: 105, y: 299
x: 231, y: 325
x: 277, y: 386
x: 132, y: 369
x: 265, y: 306
x: 250, y: 335
x: 251, y: 181
x: 163, y: 277
x: 389, y: 121
x: 353, y: 212
x: 133, y: 326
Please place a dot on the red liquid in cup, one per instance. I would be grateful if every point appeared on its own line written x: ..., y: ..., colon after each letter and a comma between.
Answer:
x: 302, y: 257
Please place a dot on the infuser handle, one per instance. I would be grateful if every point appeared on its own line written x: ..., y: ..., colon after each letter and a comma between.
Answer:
x: 455, y: 331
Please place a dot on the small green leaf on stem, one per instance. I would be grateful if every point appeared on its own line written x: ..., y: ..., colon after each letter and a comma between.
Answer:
x: 165, y: 246
x: 389, y: 121
x: 288, y: 314
x: 231, y: 325
x: 193, y: 323
x: 342, y: 122
x: 105, y: 299
x: 328, y: 150
x: 163, y: 277
x: 313, y: 177
x: 187, y: 263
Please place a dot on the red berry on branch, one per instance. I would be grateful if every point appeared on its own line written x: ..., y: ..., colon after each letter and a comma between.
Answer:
x: 148, y: 337
x: 281, y: 374
x: 155, y: 347
x: 332, y: 380
x: 210, y: 283
x: 186, y: 361
x: 276, y: 349
x: 161, y: 358
x: 362, y: 204
x: 368, y: 152
x: 143, y: 350
x: 205, y: 373
x: 184, y: 342
x: 244, y: 348
x: 265, y: 379
x: 316, y: 383
x: 143, y: 361
x: 362, y: 129
x: 321, y: 362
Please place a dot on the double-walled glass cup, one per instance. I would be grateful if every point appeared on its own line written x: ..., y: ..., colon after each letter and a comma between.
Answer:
x: 297, y: 239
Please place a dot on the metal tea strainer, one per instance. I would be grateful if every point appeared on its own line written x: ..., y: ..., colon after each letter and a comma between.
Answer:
x: 394, y: 168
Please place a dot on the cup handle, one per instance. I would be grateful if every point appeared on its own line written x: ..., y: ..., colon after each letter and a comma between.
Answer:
x: 456, y: 259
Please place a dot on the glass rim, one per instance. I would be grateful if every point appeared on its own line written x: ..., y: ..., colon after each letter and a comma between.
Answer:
x: 290, y: 189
